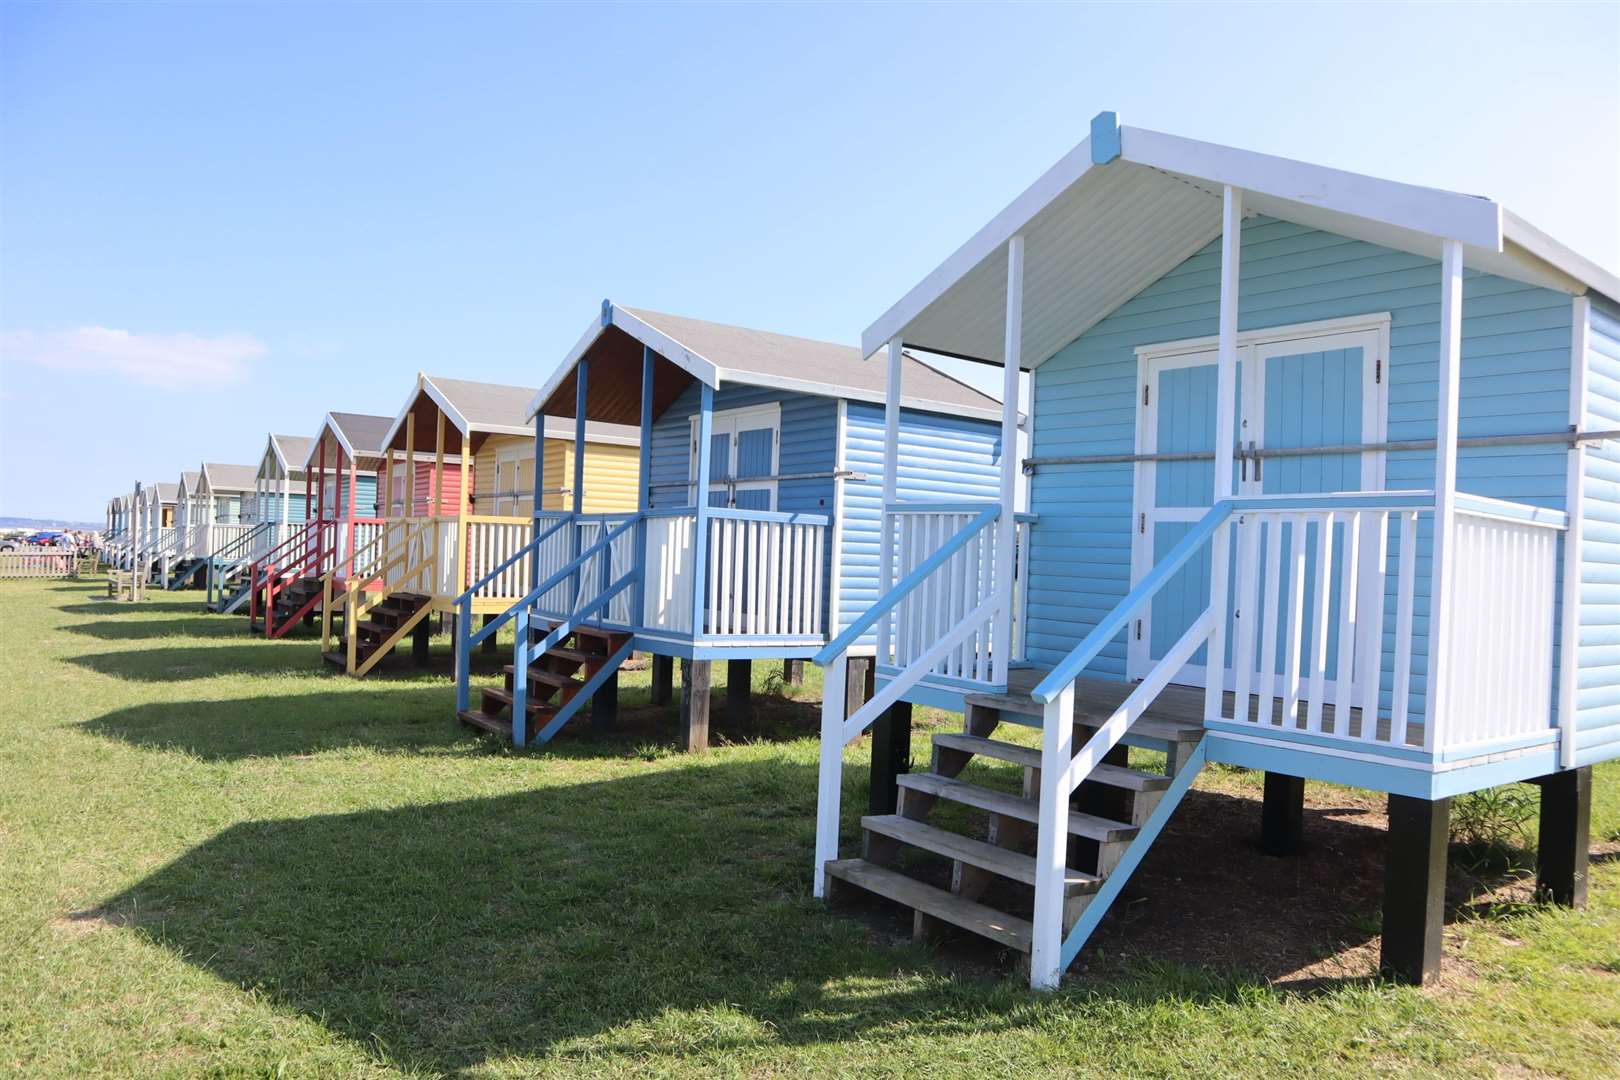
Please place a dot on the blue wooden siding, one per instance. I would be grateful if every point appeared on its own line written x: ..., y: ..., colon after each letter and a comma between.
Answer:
x: 1597, y: 691
x: 942, y: 458
x: 1515, y: 379
x: 270, y: 506
x: 809, y: 435
x: 365, y: 490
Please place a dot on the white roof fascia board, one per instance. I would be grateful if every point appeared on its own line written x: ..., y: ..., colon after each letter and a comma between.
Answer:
x: 806, y: 386
x: 984, y: 243
x: 697, y: 366
x: 1549, y: 250
x: 1470, y: 219
x: 315, y: 447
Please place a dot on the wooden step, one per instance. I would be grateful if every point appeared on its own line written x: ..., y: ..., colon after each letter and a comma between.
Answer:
x: 1030, y: 758
x: 998, y: 926
x: 996, y: 802
x: 339, y: 660
x: 1023, y: 709
x: 550, y: 678
x: 504, y: 696
x: 495, y: 725
x: 1001, y: 861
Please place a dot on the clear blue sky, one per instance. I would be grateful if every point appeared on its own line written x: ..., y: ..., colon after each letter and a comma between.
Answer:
x: 216, y: 220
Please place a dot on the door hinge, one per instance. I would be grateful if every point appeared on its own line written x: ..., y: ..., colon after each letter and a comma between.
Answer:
x: 1145, y: 389
x: 1138, y: 629
x: 1378, y: 370
x: 1141, y: 524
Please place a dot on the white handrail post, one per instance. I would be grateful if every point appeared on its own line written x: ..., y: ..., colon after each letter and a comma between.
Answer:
x: 1225, y: 436
x: 1052, y: 842
x: 891, y: 491
x: 829, y: 789
x: 1580, y: 342
x: 700, y: 512
x: 1445, y: 486
x: 1007, y: 524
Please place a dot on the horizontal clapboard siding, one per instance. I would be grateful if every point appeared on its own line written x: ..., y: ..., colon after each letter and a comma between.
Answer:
x: 1515, y: 379
x: 1597, y: 688
x: 809, y: 437
x: 941, y: 458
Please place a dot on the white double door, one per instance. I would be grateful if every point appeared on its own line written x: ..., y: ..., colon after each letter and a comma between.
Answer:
x: 1294, y: 393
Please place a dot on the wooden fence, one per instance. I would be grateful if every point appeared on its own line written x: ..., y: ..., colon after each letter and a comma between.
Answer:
x: 47, y: 563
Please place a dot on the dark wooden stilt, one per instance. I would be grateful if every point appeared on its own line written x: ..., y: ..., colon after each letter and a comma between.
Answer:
x: 1415, y: 888
x: 793, y: 672
x: 663, y: 679
x: 487, y: 646
x: 1282, y: 814
x: 694, y: 705
x: 739, y: 693
x: 605, y: 705
x: 1563, y: 849
x: 857, y: 689
x: 421, y: 636
x: 891, y: 756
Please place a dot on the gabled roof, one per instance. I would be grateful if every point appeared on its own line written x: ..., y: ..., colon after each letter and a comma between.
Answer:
x: 290, y: 450
x: 218, y: 477
x: 716, y: 354
x: 167, y: 492
x: 360, y: 434
x: 1127, y: 205
x: 189, y: 480
x: 480, y: 408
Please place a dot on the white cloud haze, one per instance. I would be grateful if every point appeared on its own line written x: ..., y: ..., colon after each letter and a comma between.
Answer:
x: 169, y: 361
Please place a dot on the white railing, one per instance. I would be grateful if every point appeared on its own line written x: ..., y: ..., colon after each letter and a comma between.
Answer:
x: 1499, y: 652
x: 1314, y: 592
x: 668, y: 573
x: 561, y: 548
x: 764, y: 576
x: 224, y: 535
x: 491, y: 541
x: 41, y: 563
x: 948, y: 594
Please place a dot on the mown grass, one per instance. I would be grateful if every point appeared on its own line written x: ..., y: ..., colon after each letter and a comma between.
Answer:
x: 218, y: 859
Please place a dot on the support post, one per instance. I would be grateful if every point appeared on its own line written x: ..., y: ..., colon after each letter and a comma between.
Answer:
x: 320, y: 508
x: 1415, y: 888
x: 1282, y: 814
x: 638, y: 613
x: 1052, y: 842
x: 857, y: 684
x: 410, y: 464
x: 1445, y: 489
x: 1563, y: 847
x: 537, y: 501
x: 576, y: 541
x: 663, y: 679
x: 700, y: 533
x: 421, y: 637
x: 739, y: 693
x: 1220, y: 544
x: 438, y: 468
x: 1007, y: 524
x: 353, y: 488
x: 829, y: 786
x: 1575, y: 533
x: 487, y: 646
x: 891, y: 756
x: 793, y: 672
x: 694, y: 705
x: 463, y: 511
x: 891, y: 488
x: 605, y: 705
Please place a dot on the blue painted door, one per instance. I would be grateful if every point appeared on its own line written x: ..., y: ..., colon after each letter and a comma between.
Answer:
x: 1312, y: 392
x: 742, y: 459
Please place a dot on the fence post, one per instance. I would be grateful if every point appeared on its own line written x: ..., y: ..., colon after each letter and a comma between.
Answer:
x: 463, y: 661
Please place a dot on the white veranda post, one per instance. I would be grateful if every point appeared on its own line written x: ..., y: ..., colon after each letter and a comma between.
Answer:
x: 1225, y: 438
x: 1006, y: 526
x: 891, y: 488
x: 1445, y: 485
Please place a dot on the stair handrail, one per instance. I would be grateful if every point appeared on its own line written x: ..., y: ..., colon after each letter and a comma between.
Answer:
x: 299, y: 550
x: 228, y: 560
x: 378, y: 566
x: 424, y: 571
x: 464, y: 601
x: 836, y: 730
x: 523, y: 650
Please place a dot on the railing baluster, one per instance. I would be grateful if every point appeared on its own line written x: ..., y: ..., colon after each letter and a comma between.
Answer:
x: 1344, y: 667
x: 1400, y: 702
x: 1296, y: 619
x: 1244, y: 615
x: 1269, y: 632
x: 1321, y: 602
x: 1371, y: 609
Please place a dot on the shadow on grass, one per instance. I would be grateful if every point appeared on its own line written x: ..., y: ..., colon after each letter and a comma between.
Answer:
x: 201, y: 625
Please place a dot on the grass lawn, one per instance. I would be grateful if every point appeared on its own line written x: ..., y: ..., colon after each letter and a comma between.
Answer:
x: 217, y: 858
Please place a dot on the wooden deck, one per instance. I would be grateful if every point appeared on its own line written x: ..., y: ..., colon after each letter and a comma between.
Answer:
x: 1176, y: 715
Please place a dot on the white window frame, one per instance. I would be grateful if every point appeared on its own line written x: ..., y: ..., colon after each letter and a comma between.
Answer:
x: 508, y: 462
x: 727, y: 421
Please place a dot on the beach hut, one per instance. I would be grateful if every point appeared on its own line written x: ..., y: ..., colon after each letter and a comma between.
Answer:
x: 340, y: 483
x: 455, y: 436
x: 755, y: 528
x: 1324, y: 484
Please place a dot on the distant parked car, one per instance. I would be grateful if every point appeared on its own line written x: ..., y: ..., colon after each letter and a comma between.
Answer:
x: 44, y: 538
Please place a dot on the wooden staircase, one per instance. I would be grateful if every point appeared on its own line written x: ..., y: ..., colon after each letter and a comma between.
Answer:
x: 381, y: 628
x: 556, y: 677
x: 295, y: 600
x: 986, y: 886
